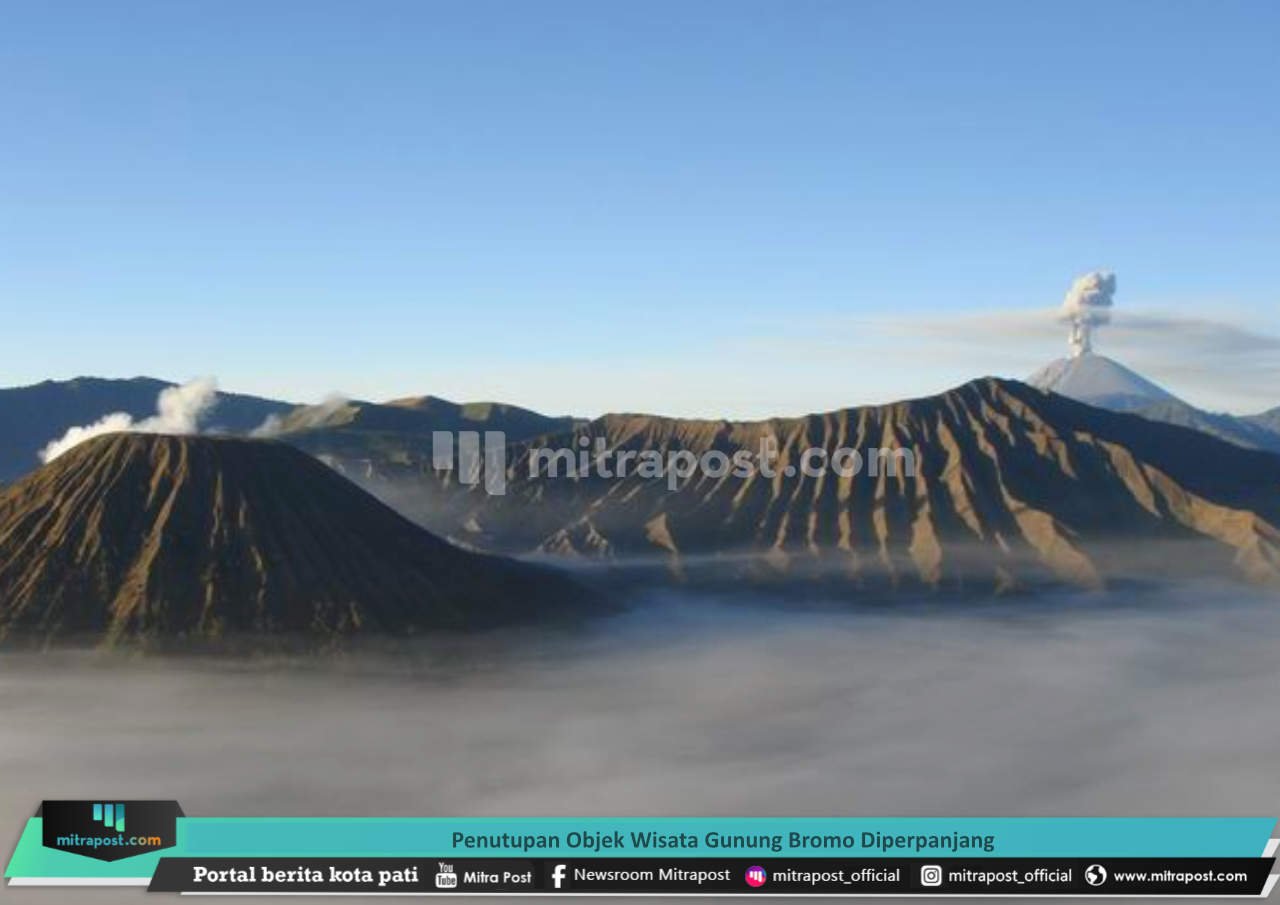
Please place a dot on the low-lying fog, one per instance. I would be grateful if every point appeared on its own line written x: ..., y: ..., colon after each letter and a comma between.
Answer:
x: 1155, y: 703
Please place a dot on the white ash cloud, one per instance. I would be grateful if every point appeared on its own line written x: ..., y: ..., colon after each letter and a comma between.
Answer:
x: 1182, y: 350
x: 1087, y: 306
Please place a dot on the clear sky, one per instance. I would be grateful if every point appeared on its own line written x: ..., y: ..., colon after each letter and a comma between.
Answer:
x: 718, y: 208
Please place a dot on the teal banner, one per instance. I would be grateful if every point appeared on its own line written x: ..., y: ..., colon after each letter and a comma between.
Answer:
x: 640, y: 837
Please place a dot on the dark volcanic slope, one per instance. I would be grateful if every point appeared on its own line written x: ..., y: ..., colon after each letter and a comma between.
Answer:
x: 1013, y: 486
x: 137, y: 535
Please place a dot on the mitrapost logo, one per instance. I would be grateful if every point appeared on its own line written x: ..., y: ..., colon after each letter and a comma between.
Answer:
x: 478, y: 459
x: 110, y: 830
x: 473, y: 460
x: 110, y: 815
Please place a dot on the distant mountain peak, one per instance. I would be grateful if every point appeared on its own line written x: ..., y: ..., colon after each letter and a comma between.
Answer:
x: 1101, y: 381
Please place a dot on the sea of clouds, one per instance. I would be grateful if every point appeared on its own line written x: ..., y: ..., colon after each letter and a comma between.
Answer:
x: 1075, y: 704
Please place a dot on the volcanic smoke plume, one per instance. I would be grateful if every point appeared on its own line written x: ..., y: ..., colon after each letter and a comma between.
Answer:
x: 1088, y: 305
x: 178, y: 411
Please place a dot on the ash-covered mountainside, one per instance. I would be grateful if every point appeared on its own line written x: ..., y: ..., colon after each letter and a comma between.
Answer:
x: 134, y: 536
x: 1012, y: 487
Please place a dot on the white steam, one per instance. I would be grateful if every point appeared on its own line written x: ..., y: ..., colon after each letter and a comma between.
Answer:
x: 301, y: 418
x: 1087, y: 305
x: 178, y: 411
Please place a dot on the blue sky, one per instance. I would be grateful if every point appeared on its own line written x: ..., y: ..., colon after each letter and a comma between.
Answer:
x: 695, y: 208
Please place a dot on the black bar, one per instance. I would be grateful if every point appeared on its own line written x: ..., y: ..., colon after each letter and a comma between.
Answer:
x: 737, y: 876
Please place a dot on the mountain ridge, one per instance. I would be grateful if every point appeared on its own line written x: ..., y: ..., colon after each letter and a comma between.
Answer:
x: 33, y: 415
x: 416, y: 415
x: 1018, y: 486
